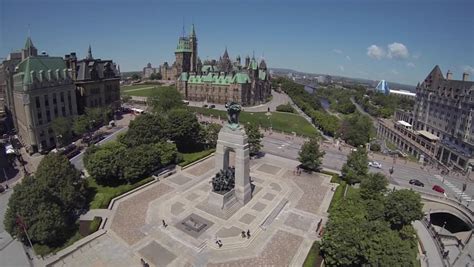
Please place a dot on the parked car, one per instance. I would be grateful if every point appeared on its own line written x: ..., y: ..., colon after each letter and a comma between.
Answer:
x: 438, y: 189
x: 375, y: 164
x: 212, y: 106
x: 416, y: 182
x: 204, y: 106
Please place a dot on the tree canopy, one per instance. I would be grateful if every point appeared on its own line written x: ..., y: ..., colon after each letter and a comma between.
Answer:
x: 166, y: 99
x: 403, y: 207
x: 146, y: 129
x: 310, y: 155
x: 356, y: 167
x: 254, y: 138
x: 46, y: 204
x: 356, y: 130
x: 62, y: 129
x: 185, y: 130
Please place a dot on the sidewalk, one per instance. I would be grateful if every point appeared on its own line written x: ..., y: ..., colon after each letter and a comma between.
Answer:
x: 432, y: 255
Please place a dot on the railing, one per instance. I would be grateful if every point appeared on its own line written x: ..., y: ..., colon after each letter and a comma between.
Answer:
x: 437, y: 240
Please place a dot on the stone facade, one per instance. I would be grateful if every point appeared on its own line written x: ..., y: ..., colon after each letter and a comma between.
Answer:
x: 444, y: 111
x: 148, y: 71
x: 43, y: 90
x: 217, y: 81
x: 97, y: 82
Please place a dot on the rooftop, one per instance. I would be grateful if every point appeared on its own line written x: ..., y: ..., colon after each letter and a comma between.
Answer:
x: 428, y: 135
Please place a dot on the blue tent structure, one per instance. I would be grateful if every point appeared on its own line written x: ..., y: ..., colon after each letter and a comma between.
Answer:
x: 382, y: 87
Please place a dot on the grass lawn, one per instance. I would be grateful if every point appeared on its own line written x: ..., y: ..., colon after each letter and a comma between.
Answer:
x: 189, y: 158
x: 143, y: 90
x: 313, y: 259
x: 43, y: 250
x: 280, y: 121
x: 134, y: 87
x: 102, y: 195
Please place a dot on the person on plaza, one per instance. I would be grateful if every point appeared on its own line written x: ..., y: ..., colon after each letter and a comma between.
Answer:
x: 243, y: 234
x: 248, y: 233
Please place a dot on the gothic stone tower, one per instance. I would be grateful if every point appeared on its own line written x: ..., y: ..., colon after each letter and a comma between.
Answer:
x: 194, y: 53
x: 183, y: 56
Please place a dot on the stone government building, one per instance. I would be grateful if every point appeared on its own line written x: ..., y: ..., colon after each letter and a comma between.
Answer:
x: 217, y: 81
x: 440, y: 128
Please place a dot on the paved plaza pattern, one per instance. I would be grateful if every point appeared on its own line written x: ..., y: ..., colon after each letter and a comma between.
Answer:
x: 282, y: 218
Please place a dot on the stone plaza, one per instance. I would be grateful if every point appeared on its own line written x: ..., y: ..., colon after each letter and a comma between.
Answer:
x: 282, y: 217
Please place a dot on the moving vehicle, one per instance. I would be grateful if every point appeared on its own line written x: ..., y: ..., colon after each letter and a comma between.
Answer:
x: 69, y: 151
x: 438, y: 189
x: 416, y: 182
x: 375, y: 164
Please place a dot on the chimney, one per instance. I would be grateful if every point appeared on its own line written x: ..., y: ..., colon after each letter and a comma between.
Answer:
x: 465, y: 76
x: 449, y: 75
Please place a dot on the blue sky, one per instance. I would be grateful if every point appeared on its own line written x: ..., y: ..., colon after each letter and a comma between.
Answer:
x: 394, y: 40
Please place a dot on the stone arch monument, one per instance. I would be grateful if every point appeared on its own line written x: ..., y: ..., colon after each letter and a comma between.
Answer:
x: 231, y: 183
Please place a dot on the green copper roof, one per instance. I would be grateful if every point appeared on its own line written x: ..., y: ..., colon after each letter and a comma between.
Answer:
x: 29, y: 43
x: 209, y: 68
x: 262, y: 74
x: 193, y: 32
x: 38, y: 64
x: 183, y: 76
x: 253, y: 64
x: 241, y: 77
x: 183, y: 45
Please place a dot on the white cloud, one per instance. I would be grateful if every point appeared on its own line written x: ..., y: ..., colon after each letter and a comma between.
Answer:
x: 468, y: 69
x: 341, y: 67
x: 416, y: 56
x: 397, y: 50
x: 375, y: 52
x: 348, y: 58
x: 411, y: 65
x: 337, y: 51
x: 395, y: 72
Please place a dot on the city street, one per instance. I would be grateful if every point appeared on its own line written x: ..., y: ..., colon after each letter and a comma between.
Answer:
x: 77, y: 160
x: 403, y: 170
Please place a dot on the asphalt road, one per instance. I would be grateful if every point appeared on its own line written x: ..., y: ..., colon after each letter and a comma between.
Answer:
x: 403, y: 171
x: 77, y: 160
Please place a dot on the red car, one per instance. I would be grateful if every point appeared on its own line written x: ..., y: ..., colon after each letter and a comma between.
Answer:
x: 438, y: 189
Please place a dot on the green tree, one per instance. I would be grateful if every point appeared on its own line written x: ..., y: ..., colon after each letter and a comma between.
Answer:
x: 47, y: 204
x: 310, y: 155
x: 380, y: 246
x: 356, y: 130
x: 61, y: 181
x: 341, y: 243
x: 155, y: 76
x: 135, y: 76
x: 146, y: 129
x: 166, y: 99
x: 81, y: 125
x: 105, y: 163
x: 62, y: 129
x: 403, y: 207
x: 254, y: 138
x: 184, y: 130
x: 356, y: 167
x: 211, y: 133
x: 373, y: 186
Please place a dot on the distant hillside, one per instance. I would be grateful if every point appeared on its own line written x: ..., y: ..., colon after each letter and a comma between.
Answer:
x: 126, y: 74
x: 368, y: 83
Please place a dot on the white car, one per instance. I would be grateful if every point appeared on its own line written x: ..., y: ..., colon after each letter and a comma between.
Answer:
x: 375, y: 164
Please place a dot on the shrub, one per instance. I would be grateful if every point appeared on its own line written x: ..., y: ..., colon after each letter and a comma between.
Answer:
x: 285, y: 108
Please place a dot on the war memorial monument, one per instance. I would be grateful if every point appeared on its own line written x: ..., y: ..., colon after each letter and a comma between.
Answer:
x: 225, y: 210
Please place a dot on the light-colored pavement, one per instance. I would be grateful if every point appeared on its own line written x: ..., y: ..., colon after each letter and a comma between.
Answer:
x: 135, y: 229
x: 433, y: 258
x: 277, y: 99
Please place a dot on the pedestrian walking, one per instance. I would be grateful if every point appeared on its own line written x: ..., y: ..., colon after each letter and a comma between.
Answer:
x: 243, y: 234
x: 164, y: 223
x: 248, y: 233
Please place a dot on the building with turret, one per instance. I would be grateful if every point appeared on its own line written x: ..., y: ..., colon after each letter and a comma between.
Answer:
x: 217, y: 81
x: 97, y: 82
x: 440, y: 128
x: 43, y: 90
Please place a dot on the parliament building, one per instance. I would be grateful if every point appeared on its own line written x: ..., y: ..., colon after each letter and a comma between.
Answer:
x: 217, y: 81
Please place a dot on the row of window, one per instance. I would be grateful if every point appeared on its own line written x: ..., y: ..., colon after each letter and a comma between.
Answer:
x: 54, y: 108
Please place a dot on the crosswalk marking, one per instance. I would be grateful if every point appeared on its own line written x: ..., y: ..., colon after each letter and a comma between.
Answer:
x: 456, y: 190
